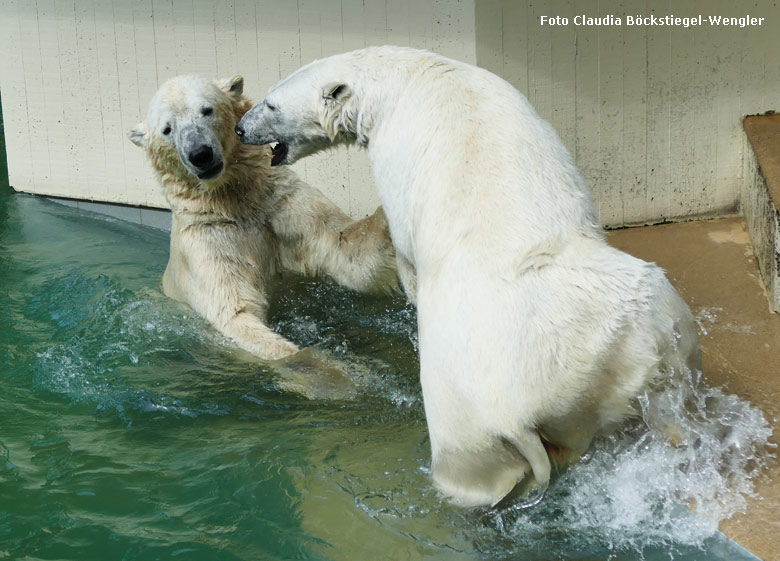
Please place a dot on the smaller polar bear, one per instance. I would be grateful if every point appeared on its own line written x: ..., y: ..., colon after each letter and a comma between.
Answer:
x: 534, y: 334
x: 237, y: 222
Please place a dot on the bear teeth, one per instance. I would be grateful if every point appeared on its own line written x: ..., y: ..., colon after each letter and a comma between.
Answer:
x: 278, y: 153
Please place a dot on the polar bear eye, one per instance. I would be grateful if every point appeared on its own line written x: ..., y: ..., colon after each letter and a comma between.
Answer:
x: 270, y: 107
x: 206, y: 111
x: 167, y: 130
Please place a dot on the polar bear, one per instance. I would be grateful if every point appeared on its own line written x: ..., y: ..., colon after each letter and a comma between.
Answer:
x: 236, y: 221
x: 534, y: 334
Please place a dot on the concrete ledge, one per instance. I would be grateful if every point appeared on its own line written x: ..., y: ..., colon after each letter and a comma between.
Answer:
x: 760, y: 198
x: 153, y: 217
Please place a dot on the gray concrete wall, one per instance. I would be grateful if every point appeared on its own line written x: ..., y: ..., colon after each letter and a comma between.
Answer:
x: 76, y: 75
x: 652, y: 114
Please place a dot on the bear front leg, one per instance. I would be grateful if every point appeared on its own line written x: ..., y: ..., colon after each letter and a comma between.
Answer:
x: 364, y: 257
x: 254, y: 336
x: 310, y: 372
x: 227, y: 292
x: 408, y: 276
x: 318, y: 238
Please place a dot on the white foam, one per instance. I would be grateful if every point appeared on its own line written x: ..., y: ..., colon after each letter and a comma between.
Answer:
x: 696, y: 449
x: 706, y: 316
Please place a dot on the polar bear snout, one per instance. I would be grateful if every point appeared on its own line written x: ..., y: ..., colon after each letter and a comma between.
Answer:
x: 200, y: 152
x: 249, y: 127
x: 206, y: 164
x: 201, y: 155
x: 279, y: 150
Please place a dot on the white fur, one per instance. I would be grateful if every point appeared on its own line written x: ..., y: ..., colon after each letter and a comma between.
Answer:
x: 531, y: 328
x: 233, y: 231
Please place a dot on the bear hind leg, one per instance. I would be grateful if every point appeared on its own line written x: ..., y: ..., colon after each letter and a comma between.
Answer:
x: 528, y: 444
x: 485, y: 477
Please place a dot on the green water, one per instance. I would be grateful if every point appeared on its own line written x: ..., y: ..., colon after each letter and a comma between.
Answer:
x: 129, y: 430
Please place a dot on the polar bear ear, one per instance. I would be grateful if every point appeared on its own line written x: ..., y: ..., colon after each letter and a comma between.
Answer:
x: 233, y: 86
x: 336, y: 91
x: 138, y: 134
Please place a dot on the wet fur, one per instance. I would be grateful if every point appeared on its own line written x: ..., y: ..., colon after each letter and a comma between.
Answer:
x: 231, y: 234
x: 530, y: 325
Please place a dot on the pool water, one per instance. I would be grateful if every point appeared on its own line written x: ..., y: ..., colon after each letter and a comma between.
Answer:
x: 131, y: 430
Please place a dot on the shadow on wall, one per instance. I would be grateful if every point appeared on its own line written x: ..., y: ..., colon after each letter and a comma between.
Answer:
x: 4, y: 184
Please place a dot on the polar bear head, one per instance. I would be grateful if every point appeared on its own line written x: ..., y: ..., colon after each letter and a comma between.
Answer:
x: 188, y: 130
x: 312, y: 109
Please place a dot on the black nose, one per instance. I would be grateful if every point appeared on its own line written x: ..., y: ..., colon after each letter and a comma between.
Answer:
x: 201, y: 155
x: 239, y: 130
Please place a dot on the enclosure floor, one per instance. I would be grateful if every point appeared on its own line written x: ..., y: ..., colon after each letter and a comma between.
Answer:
x: 712, y: 265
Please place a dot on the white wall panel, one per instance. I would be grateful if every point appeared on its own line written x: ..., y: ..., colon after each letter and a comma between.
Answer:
x: 76, y: 75
x: 651, y: 114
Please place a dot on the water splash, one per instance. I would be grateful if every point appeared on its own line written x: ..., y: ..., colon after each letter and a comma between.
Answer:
x: 665, y: 480
x: 107, y: 335
x: 705, y: 317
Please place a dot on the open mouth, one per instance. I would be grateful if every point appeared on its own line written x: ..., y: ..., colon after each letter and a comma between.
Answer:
x: 278, y: 153
x: 211, y: 172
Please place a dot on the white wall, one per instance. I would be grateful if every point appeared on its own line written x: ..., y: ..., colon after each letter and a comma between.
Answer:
x: 651, y: 114
x: 75, y: 75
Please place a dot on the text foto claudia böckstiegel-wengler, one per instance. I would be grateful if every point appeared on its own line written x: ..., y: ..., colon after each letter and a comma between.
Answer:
x: 649, y: 21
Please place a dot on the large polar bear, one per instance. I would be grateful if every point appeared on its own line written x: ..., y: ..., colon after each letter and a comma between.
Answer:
x: 534, y: 334
x: 236, y: 221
